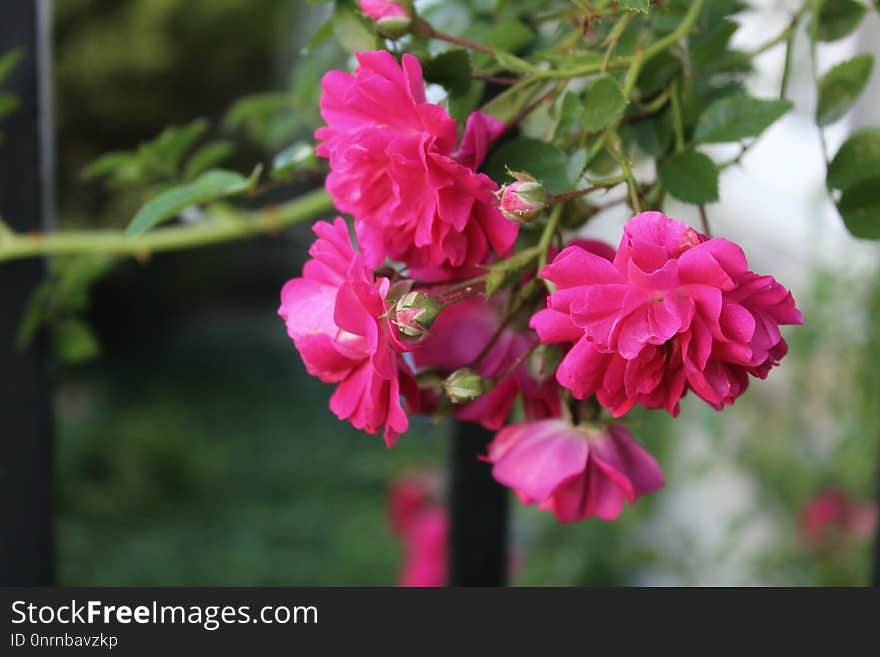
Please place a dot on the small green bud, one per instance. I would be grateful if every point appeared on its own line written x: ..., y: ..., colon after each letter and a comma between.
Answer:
x: 464, y: 386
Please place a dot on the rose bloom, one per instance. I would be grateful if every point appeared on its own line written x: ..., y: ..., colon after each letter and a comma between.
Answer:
x: 423, y: 526
x: 674, y: 311
x: 832, y: 514
x: 459, y: 335
x: 336, y: 316
x: 574, y: 471
x: 379, y: 9
x: 395, y: 168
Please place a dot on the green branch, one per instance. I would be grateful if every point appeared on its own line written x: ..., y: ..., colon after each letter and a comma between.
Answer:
x: 687, y: 23
x: 220, y: 228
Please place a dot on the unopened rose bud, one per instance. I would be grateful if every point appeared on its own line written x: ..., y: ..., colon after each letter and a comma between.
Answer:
x: 414, y: 314
x: 464, y: 386
x: 393, y: 19
x: 522, y: 201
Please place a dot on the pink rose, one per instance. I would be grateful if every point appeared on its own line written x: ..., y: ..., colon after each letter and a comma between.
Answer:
x: 832, y: 515
x: 575, y: 471
x: 336, y: 316
x: 394, y: 167
x: 379, y: 9
x: 425, y: 550
x: 674, y: 311
x: 421, y: 522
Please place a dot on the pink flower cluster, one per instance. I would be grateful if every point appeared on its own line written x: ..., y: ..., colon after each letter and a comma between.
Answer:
x: 396, y: 317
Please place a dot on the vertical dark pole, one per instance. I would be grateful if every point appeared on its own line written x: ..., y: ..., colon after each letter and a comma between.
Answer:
x: 876, y: 581
x: 478, y: 553
x: 26, y: 162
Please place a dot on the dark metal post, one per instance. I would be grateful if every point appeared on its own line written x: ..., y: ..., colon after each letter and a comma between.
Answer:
x: 876, y: 581
x: 26, y: 163
x: 479, y: 508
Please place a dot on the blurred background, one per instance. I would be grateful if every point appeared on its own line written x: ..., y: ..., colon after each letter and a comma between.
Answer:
x: 197, y: 451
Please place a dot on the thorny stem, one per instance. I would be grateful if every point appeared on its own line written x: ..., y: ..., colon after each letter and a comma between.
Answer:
x: 424, y: 28
x: 614, y: 37
x: 677, y: 122
x: 456, y: 297
x: 601, y: 184
x: 547, y: 235
x: 502, y: 326
x: 704, y: 220
x: 519, y: 361
x: 494, y: 79
x: 460, y: 285
x: 531, y: 107
x: 814, y: 64
x: 651, y: 51
x: 223, y: 228
x: 785, y: 35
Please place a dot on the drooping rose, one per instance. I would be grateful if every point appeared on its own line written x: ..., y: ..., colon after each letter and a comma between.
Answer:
x: 394, y: 166
x: 674, y: 311
x: 336, y: 316
x: 574, y: 471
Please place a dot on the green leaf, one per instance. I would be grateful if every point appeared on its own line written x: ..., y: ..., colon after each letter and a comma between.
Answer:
x: 296, y: 157
x: 509, y: 36
x: 857, y: 160
x: 657, y: 73
x: 709, y: 48
x: 653, y: 135
x: 836, y: 18
x: 840, y: 87
x: 691, y: 176
x: 452, y: 70
x: 570, y: 112
x: 546, y: 162
x: 74, y: 342
x: 736, y: 117
x: 8, y: 62
x: 860, y: 208
x: 635, y: 5
x: 324, y: 32
x: 460, y: 107
x: 210, y: 186
x: 576, y: 165
x: 207, y: 157
x: 353, y: 30
x: 107, y: 163
x: 603, y: 104
x: 506, y: 105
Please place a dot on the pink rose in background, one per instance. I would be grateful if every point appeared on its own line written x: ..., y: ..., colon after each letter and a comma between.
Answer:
x: 459, y: 335
x: 379, y: 9
x: 674, y: 311
x: 422, y: 524
x: 394, y: 167
x: 425, y: 550
x: 409, y: 497
x: 833, y: 515
x: 574, y: 471
x: 335, y: 317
